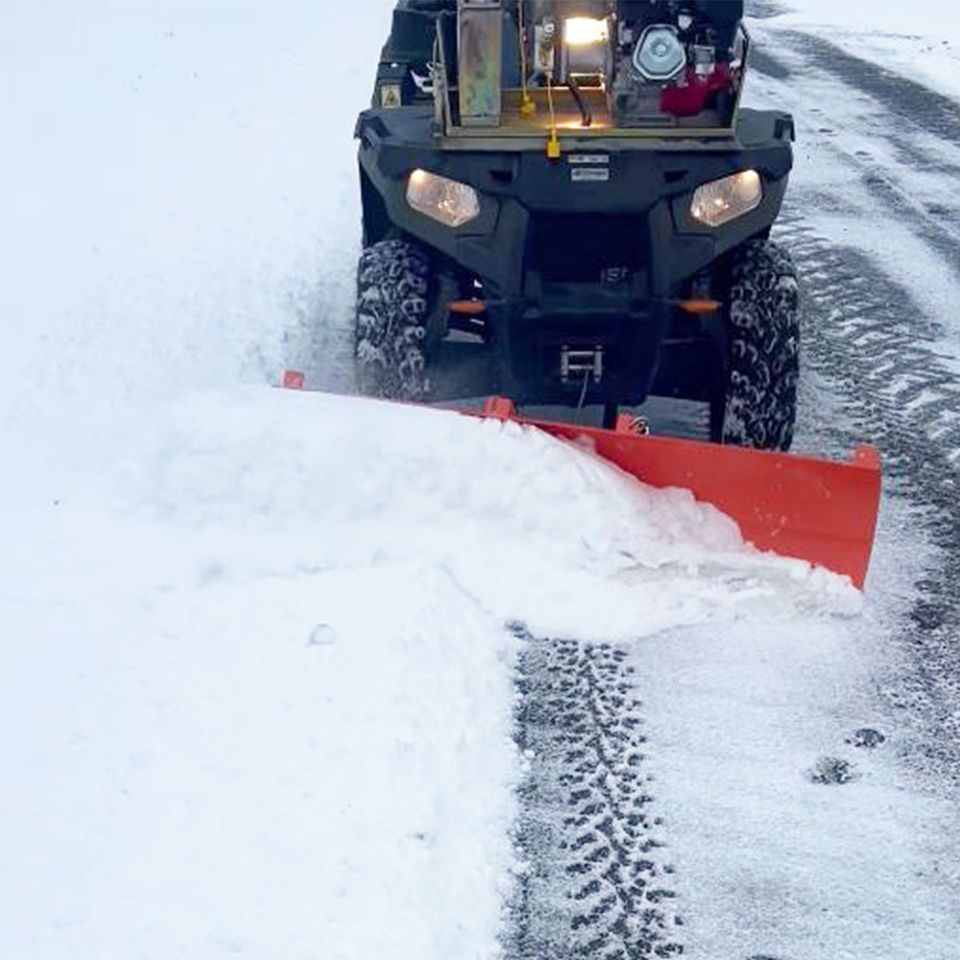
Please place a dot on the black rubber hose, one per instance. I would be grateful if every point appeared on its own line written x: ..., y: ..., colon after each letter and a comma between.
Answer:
x: 584, y: 112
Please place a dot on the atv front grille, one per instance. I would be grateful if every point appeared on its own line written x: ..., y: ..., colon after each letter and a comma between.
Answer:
x: 586, y: 248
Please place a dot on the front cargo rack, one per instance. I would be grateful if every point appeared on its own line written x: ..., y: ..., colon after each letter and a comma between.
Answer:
x: 536, y: 113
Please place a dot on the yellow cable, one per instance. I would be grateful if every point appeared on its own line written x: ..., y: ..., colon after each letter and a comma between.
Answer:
x: 553, y: 144
x: 527, y: 106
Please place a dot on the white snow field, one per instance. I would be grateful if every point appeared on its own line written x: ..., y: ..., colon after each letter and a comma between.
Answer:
x: 257, y: 685
x: 921, y: 40
x: 256, y: 682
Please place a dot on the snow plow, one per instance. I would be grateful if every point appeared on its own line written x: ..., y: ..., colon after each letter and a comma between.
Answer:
x: 564, y: 203
x: 819, y: 511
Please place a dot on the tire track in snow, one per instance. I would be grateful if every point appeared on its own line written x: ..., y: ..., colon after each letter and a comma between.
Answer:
x: 596, y: 885
x: 928, y: 114
x: 910, y: 101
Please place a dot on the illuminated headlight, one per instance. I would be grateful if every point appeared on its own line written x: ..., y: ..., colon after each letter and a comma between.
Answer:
x: 724, y: 200
x: 446, y: 201
x: 584, y: 32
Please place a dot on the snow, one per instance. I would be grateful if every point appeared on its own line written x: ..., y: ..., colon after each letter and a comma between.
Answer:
x: 172, y: 204
x: 778, y: 865
x: 216, y: 773
x: 841, y: 155
x: 528, y: 526
x: 270, y: 647
x: 256, y: 686
x: 917, y: 41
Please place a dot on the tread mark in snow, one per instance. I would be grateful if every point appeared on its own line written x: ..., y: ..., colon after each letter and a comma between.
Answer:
x: 912, y: 102
x: 596, y: 887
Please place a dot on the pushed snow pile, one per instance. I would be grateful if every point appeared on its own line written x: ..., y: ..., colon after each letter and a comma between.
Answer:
x: 261, y: 697
x: 532, y: 528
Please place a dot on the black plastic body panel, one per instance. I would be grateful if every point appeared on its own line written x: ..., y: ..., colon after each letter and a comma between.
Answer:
x: 564, y: 260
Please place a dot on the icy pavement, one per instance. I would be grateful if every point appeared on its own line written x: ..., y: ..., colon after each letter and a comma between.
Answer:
x: 920, y: 41
x: 872, y: 221
x: 790, y: 835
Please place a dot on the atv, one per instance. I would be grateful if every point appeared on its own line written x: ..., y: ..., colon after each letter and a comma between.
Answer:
x: 564, y: 203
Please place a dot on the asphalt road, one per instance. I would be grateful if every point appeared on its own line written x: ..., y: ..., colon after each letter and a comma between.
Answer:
x: 873, y: 222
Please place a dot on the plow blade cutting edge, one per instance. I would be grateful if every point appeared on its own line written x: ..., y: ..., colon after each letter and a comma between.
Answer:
x: 820, y: 511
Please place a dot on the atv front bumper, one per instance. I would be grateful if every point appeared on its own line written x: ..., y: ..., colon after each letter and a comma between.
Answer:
x: 580, y: 257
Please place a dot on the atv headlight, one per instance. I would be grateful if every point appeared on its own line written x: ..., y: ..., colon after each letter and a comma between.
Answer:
x: 724, y: 200
x: 446, y: 201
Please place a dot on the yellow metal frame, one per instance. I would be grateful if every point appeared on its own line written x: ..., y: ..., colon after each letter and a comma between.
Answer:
x: 555, y: 118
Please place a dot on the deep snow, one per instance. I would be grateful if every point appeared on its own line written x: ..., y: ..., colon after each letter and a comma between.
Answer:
x: 258, y: 682
x: 256, y: 687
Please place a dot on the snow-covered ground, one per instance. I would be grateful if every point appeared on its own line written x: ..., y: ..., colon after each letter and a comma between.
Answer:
x: 778, y: 864
x: 178, y: 194
x: 921, y: 41
x: 256, y: 686
x: 863, y: 176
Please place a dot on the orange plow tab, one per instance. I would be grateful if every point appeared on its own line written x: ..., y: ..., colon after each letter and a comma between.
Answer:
x: 815, y: 510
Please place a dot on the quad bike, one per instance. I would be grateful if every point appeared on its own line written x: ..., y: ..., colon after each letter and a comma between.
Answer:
x: 574, y: 185
x: 564, y: 203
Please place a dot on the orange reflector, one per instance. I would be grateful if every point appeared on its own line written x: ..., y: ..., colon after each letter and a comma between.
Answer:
x: 699, y: 307
x: 814, y: 510
x: 293, y: 380
x: 467, y: 308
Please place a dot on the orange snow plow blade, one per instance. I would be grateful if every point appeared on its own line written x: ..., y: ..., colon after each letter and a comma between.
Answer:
x: 815, y: 510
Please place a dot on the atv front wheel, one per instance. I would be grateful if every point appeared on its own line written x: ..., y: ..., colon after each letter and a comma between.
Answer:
x: 393, y: 281
x: 763, y: 338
